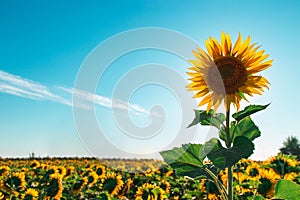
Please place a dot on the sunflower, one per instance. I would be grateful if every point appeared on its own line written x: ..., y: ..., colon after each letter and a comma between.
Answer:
x: 253, y: 171
x: 112, y: 183
x: 104, y: 196
x: 223, y: 175
x: 147, y: 169
x: 209, y: 189
x: 165, y: 185
x: 54, y: 187
x: 125, y: 188
x: 4, y: 170
x: 16, y: 181
x: 1, y: 195
x: 92, y: 178
x: 227, y: 73
x: 150, y: 192
x: 79, y: 184
x: 267, y: 181
x: 290, y: 176
x: 62, y: 171
x: 35, y: 164
x: 244, y: 185
x: 30, y: 194
x: 100, y: 170
x: 70, y: 170
x: 282, y: 164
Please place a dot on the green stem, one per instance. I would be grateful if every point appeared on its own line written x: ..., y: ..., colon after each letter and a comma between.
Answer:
x: 230, y: 169
x: 230, y: 183
x: 219, y: 185
x: 228, y: 141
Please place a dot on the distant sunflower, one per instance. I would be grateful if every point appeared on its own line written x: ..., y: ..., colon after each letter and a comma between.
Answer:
x: 62, y: 171
x: 92, y: 178
x: 209, y: 189
x: 100, y: 171
x: 282, y: 164
x: 147, y: 169
x: 35, y: 164
x: 290, y: 176
x: 226, y: 72
x: 70, y: 170
x: 150, y: 192
x: 267, y: 181
x: 253, y: 171
x: 4, y: 170
x: 54, y: 188
x: 79, y: 184
x: 112, y: 183
x: 104, y: 196
x: 125, y: 188
x: 16, y: 181
x: 165, y: 185
x: 243, y: 186
x: 30, y: 194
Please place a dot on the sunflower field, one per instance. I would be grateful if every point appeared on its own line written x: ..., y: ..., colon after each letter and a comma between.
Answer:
x: 90, y: 178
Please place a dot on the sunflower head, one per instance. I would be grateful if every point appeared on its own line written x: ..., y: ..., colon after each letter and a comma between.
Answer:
x: 30, y: 194
x: 16, y: 181
x: 268, y: 180
x: 227, y: 72
x: 54, y: 187
x: 112, y: 183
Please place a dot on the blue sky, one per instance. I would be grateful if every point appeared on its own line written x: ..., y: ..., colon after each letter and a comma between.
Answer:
x: 43, y: 45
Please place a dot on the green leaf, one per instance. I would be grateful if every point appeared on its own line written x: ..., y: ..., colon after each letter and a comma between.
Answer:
x: 222, y: 132
x: 286, y: 189
x: 210, y: 118
x: 186, y: 160
x: 249, y: 110
x: 246, y: 128
x: 225, y: 157
x: 259, y: 197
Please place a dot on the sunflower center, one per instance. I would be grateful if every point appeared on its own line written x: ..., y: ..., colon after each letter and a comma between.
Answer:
x: 231, y: 71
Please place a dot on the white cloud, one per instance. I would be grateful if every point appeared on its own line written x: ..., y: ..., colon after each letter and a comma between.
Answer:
x: 85, y: 98
x: 16, y: 85
x: 22, y: 87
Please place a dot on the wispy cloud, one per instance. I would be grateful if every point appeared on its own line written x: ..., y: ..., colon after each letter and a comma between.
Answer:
x: 22, y: 87
x: 86, y: 98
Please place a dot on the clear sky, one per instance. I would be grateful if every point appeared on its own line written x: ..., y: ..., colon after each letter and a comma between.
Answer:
x: 44, y: 44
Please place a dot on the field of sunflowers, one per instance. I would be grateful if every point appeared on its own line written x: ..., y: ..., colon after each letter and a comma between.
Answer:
x: 90, y: 178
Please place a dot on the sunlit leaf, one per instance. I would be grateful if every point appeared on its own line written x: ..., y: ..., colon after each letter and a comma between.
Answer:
x: 186, y: 160
x: 246, y: 128
x: 286, y: 189
x: 222, y: 157
x: 249, y: 110
x: 206, y: 119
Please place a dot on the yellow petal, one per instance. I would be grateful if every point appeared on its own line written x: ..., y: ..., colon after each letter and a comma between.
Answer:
x: 244, y: 46
x: 260, y: 67
x: 209, y: 105
x: 205, y: 100
x: 229, y: 44
x: 201, y: 93
x: 209, y: 48
x: 237, y: 44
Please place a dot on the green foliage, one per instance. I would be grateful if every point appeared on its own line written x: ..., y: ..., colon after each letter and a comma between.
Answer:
x: 259, y: 198
x: 225, y: 157
x: 186, y: 160
x: 246, y: 128
x: 291, y: 146
x: 237, y: 135
x: 249, y: 110
x: 286, y: 189
x: 206, y: 119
